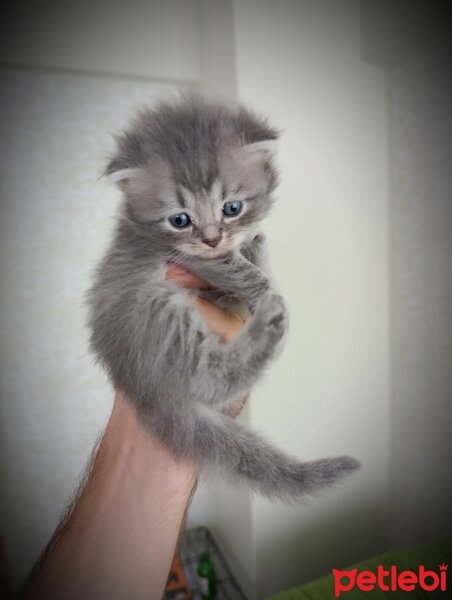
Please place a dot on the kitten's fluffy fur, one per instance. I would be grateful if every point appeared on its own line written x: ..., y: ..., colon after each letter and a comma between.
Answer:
x: 192, y: 156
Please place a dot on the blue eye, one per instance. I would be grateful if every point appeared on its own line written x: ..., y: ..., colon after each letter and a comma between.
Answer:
x: 180, y: 220
x: 230, y: 209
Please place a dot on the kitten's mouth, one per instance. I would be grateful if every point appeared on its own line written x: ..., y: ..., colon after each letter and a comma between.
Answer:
x: 207, y: 252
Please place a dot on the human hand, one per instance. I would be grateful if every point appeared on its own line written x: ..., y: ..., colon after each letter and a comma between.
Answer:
x: 223, y: 322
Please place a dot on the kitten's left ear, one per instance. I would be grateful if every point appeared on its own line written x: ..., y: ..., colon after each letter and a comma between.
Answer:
x: 263, y: 150
x: 122, y: 176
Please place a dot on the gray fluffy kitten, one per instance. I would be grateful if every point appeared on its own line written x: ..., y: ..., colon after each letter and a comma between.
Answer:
x: 197, y: 179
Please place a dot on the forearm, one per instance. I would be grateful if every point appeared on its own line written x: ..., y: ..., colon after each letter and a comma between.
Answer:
x: 120, y: 537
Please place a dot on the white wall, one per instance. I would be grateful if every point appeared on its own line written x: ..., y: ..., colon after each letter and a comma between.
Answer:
x: 156, y: 39
x: 328, y: 393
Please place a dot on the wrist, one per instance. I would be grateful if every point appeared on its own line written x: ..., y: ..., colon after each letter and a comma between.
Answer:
x: 126, y: 441
x: 118, y: 540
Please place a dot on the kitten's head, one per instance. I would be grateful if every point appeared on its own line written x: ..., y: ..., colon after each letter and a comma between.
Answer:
x: 197, y: 176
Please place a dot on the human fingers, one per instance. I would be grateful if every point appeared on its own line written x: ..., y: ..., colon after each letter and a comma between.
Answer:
x: 223, y: 322
x: 238, y: 406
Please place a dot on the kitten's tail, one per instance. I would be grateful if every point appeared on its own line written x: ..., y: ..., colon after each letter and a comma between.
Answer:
x: 246, y: 455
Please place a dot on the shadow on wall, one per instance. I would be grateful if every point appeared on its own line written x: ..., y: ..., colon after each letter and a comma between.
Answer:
x: 323, y: 541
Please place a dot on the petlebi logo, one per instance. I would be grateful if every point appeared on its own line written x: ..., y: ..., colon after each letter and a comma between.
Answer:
x: 390, y: 580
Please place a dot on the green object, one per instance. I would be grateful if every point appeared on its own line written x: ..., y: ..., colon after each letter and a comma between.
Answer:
x: 207, y: 577
x: 430, y: 555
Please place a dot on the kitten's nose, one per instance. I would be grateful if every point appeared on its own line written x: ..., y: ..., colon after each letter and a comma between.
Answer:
x: 212, y: 242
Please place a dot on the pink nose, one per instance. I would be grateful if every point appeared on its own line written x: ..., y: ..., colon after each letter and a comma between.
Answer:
x: 213, y: 243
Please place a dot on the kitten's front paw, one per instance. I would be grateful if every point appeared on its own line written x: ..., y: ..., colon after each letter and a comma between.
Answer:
x: 270, y: 317
x: 258, y: 240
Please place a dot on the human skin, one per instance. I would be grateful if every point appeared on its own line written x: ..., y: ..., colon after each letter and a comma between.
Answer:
x: 119, y: 536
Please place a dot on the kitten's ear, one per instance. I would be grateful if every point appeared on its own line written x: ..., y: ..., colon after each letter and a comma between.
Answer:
x: 263, y: 150
x: 122, y: 177
x: 144, y: 188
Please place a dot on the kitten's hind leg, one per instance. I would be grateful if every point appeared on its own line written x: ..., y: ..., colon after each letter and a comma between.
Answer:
x: 169, y: 350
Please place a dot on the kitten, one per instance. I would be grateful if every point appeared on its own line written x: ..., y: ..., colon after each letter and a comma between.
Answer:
x: 197, y: 179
